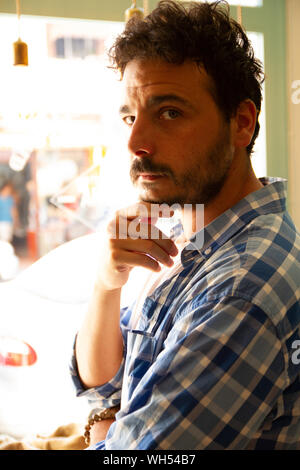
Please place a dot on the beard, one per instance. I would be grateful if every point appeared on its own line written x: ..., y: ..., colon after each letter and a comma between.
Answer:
x: 200, y: 183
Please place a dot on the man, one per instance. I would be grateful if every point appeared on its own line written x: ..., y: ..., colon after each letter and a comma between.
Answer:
x: 206, y: 358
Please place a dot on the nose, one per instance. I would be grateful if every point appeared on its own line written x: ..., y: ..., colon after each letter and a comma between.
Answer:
x: 141, y: 138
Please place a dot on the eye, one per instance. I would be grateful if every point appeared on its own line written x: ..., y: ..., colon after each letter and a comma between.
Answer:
x: 129, y: 120
x: 170, y: 114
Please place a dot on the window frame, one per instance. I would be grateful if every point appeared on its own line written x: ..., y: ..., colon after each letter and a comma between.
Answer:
x: 270, y: 19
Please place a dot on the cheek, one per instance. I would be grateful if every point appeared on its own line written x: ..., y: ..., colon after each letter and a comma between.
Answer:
x: 183, y: 147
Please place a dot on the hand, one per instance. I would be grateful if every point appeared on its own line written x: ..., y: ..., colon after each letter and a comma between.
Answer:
x: 133, y: 240
x: 99, y: 430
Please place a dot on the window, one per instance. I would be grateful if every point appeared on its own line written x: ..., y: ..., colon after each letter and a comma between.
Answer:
x: 259, y: 156
x: 56, y: 122
x: 68, y: 47
x: 268, y: 24
x: 246, y: 3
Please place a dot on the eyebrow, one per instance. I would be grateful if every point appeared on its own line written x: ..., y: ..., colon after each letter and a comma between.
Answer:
x: 158, y: 99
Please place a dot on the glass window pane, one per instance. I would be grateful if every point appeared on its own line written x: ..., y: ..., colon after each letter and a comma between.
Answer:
x: 60, y: 47
x: 246, y: 3
x: 259, y: 156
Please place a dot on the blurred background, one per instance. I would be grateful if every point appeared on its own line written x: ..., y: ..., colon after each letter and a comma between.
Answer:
x: 58, y: 122
x: 57, y: 131
x: 64, y: 170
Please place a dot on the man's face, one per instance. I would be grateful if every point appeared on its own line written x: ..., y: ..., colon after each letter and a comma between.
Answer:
x: 179, y: 142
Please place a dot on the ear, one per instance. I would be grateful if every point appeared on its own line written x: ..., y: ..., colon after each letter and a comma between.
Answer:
x: 244, y: 123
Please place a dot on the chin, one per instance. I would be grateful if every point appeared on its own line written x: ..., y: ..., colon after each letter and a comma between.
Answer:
x: 150, y: 196
x: 167, y: 201
x: 155, y: 197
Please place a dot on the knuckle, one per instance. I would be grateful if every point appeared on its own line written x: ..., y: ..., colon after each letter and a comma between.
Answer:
x: 169, y: 243
x: 114, y: 255
x: 152, y: 245
x: 112, y: 243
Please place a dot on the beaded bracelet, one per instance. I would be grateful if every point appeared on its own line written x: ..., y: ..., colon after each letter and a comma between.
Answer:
x: 108, y: 413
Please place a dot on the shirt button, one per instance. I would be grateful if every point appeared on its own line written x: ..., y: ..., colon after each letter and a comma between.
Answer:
x: 208, y: 251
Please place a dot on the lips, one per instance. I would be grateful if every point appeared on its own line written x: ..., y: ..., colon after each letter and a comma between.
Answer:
x: 150, y: 176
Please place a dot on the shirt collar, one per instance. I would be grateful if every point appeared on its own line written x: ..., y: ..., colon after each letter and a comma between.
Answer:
x: 271, y: 198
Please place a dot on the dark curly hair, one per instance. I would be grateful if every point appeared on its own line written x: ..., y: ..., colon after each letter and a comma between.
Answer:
x: 204, y: 33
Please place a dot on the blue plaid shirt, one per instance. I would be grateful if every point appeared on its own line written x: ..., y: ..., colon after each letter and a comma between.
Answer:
x: 214, y: 361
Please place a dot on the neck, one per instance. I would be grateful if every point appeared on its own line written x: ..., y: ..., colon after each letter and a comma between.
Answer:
x: 240, y: 182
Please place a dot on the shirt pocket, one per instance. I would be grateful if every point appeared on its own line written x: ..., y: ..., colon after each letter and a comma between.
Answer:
x: 141, y: 350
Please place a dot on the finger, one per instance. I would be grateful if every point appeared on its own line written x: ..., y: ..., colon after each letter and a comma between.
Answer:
x: 148, y: 220
x: 148, y: 247
x: 124, y: 259
x: 144, y: 230
x: 124, y: 228
x: 146, y: 210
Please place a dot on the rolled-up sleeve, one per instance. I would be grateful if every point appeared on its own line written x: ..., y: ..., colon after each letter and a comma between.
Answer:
x: 108, y: 394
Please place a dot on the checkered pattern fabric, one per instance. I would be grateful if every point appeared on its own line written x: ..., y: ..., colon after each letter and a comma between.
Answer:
x: 213, y: 361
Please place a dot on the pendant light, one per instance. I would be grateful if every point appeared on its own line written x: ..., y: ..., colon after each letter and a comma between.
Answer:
x: 20, y: 47
x: 134, y: 11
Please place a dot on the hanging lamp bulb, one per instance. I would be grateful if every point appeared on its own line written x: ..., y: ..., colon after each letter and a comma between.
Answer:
x: 20, y: 47
x: 134, y: 11
x: 20, y: 53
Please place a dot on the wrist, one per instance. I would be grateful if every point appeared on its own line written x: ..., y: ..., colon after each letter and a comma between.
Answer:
x: 102, y: 287
x: 99, y: 430
x: 96, y: 416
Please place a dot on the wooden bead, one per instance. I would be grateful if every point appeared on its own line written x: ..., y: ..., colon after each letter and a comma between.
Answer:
x: 108, y: 413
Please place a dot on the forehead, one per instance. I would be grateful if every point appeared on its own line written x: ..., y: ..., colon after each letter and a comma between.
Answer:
x: 142, y: 77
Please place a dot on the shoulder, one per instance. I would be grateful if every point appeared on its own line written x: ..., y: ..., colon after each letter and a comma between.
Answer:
x: 260, y: 264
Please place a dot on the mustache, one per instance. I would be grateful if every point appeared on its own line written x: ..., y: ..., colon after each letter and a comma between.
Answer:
x: 145, y: 165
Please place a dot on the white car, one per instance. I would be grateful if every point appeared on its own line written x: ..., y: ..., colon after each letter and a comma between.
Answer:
x: 41, y: 310
x: 9, y: 263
